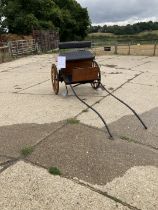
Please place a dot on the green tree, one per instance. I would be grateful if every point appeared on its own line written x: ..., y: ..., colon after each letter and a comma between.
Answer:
x: 128, y: 29
x: 21, y: 16
x: 75, y: 20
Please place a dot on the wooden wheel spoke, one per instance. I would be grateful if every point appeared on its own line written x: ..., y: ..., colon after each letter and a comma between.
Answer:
x: 55, y: 79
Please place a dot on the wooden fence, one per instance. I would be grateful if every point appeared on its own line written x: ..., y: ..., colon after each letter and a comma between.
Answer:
x: 22, y: 47
x: 47, y: 40
x: 127, y: 49
x: 137, y: 49
x: 43, y: 41
x: 5, y: 54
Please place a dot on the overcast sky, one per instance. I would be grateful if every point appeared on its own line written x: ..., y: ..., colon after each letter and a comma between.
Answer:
x: 121, y: 11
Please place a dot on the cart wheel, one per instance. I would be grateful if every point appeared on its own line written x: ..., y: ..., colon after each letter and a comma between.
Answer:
x: 96, y: 83
x: 55, y: 79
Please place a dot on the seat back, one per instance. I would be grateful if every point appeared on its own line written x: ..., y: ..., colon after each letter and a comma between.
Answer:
x: 75, y: 45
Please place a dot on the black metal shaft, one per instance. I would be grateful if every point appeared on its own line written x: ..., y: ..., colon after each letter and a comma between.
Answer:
x: 76, y: 85
x: 93, y: 110
x: 126, y: 106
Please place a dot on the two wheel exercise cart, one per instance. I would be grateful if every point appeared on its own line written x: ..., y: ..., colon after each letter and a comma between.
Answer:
x: 81, y: 68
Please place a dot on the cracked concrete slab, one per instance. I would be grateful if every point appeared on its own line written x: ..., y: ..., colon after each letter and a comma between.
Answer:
x: 113, y: 78
x: 140, y: 99
x: 127, y: 62
x: 26, y: 61
x: 114, y: 70
x: 149, y: 66
x: 13, y: 138
x: 87, y: 153
x: 9, y: 84
x: 25, y: 186
x: 78, y: 150
x: 39, y: 99
x: 138, y: 187
x: 25, y: 108
x: 147, y: 79
x: 46, y: 89
x: 40, y: 89
x: 130, y: 129
x: 35, y: 73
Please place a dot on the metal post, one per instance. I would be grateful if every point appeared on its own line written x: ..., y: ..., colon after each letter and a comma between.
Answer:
x: 116, y: 49
x: 3, y: 54
x: 129, y: 51
x: 10, y: 49
x: 155, y: 46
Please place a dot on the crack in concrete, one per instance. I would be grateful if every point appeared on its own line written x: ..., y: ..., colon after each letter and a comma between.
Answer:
x: 117, y: 200
x: 48, y: 135
x: 139, y: 143
x: 6, y: 156
x: 141, y: 64
x: 37, y: 143
x: 70, y: 95
x: 143, y: 84
x: 131, y: 140
x: 9, y: 164
x: 31, y: 94
x: 12, y: 68
x: 32, y: 86
x: 87, y: 185
x: 111, y: 92
x: 13, y: 160
x: 118, y: 68
x: 144, y: 58
x: 130, y: 69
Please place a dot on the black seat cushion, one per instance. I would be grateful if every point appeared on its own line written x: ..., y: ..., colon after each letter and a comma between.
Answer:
x: 78, y: 55
x: 75, y: 44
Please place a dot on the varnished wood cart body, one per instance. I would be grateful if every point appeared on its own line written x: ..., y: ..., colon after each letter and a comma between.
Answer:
x: 80, y: 72
x: 81, y: 68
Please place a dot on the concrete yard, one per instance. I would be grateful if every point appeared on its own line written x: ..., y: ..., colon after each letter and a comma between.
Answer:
x: 96, y: 172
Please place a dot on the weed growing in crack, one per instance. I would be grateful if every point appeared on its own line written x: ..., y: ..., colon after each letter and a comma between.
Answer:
x: 72, y: 121
x: 127, y: 139
x: 26, y: 151
x: 55, y: 171
x: 85, y: 110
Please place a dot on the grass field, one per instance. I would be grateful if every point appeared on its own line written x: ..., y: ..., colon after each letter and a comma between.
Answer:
x: 148, y: 37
